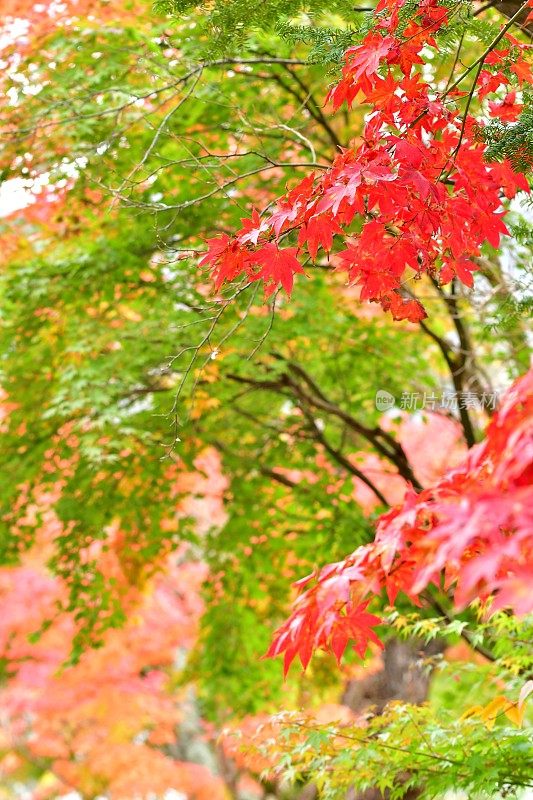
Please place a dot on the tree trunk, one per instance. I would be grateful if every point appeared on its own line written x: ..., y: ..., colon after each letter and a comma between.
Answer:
x: 403, y: 677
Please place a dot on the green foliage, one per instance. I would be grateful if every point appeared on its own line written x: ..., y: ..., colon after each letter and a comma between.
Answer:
x: 468, y: 736
x: 232, y: 22
x: 97, y: 374
x: 413, y: 747
x: 326, y: 44
x: 513, y: 141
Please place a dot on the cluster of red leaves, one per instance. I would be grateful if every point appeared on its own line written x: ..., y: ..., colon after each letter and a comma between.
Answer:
x: 474, y: 527
x: 418, y: 183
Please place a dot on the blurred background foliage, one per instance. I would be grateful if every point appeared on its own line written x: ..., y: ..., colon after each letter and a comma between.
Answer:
x: 140, y: 132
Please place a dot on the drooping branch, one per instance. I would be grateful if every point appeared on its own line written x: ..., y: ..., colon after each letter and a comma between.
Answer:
x: 310, y: 397
x: 341, y: 459
x: 381, y: 440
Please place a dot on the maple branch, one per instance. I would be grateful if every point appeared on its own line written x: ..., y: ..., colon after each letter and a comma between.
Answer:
x: 268, y: 472
x: 445, y: 348
x: 317, y: 113
x: 374, y: 740
x: 257, y: 171
x: 484, y: 8
x: 341, y: 459
x: 479, y: 61
x: 456, y: 369
x: 336, y: 454
x: 313, y: 107
x: 517, y: 336
x: 303, y: 101
x: 489, y: 49
x: 162, y: 207
x: 380, y: 440
x: 159, y: 131
x: 508, y: 8
x: 261, y: 423
x: 461, y: 361
x: 465, y: 118
x: 456, y: 59
x: 194, y: 72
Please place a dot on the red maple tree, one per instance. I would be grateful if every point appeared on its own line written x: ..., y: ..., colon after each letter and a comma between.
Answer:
x: 417, y: 186
x: 415, y: 196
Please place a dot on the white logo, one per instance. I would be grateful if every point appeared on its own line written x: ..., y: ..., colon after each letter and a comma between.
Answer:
x: 384, y: 400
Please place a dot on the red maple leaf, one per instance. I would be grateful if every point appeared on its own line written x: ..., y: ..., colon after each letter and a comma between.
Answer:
x: 252, y: 228
x: 507, y: 110
x: 318, y: 232
x: 364, y: 59
x: 488, y: 82
x: 462, y: 267
x: 279, y: 266
x: 411, y: 310
x: 382, y: 95
x: 226, y: 257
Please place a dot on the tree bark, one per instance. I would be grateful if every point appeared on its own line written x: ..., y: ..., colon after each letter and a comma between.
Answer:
x: 403, y: 677
x: 509, y: 9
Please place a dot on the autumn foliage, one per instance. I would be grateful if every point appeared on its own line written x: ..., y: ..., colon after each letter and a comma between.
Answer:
x: 473, y: 527
x: 101, y: 725
x: 191, y: 404
x: 425, y: 198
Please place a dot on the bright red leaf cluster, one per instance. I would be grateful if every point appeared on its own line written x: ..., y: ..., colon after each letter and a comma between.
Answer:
x: 474, y: 526
x: 416, y: 194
